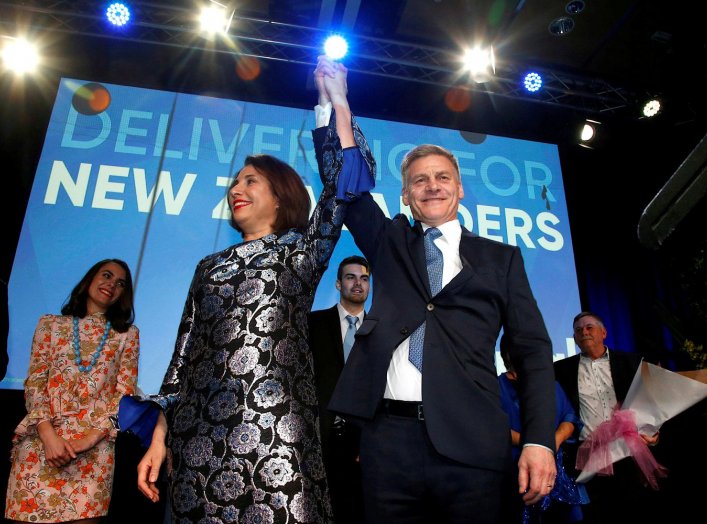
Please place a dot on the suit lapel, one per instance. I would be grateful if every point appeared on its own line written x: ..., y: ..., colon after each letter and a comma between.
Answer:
x: 334, y: 329
x: 573, y: 393
x: 467, y: 254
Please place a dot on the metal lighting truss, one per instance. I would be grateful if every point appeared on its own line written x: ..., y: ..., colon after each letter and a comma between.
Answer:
x: 173, y: 25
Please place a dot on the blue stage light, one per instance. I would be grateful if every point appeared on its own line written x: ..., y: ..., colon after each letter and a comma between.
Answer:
x: 118, y: 14
x: 335, y: 47
x: 532, y: 82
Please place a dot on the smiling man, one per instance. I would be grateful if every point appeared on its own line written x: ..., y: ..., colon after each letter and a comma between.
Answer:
x: 421, y: 378
x: 595, y: 381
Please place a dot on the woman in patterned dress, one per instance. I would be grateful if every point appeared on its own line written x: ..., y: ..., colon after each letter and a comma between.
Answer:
x: 81, y: 364
x: 239, y: 394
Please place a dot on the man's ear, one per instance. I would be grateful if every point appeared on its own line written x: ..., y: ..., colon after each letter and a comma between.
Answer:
x: 338, y: 285
x: 405, y: 196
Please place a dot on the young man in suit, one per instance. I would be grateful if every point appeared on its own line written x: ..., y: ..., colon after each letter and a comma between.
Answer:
x: 595, y: 381
x: 331, y: 334
x: 435, y: 442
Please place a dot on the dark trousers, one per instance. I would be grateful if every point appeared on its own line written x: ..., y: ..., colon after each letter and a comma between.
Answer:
x: 405, y: 481
x: 621, y: 497
x: 344, y: 473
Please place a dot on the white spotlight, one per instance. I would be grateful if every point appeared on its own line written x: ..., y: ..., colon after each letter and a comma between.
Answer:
x: 335, y: 47
x: 588, y: 132
x: 481, y: 64
x: 20, y: 56
x: 216, y: 18
x: 651, y: 108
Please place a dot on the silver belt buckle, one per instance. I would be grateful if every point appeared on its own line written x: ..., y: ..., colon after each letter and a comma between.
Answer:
x: 420, y: 414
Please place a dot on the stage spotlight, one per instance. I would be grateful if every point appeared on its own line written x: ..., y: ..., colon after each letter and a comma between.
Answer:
x: 651, y: 108
x: 561, y: 26
x: 118, y: 14
x: 532, y: 82
x: 574, y: 7
x: 480, y: 63
x: 216, y: 18
x: 19, y: 56
x: 335, y: 47
x: 588, y: 132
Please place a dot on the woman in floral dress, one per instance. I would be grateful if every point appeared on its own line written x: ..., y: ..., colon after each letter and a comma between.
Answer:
x: 81, y: 364
x: 239, y: 394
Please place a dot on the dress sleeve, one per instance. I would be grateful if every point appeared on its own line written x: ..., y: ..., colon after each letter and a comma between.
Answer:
x: 126, y: 381
x: 138, y: 414
x: 37, y: 399
x: 357, y: 163
x: 172, y: 383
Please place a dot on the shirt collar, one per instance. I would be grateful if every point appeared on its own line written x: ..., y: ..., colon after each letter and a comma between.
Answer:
x: 451, y: 230
x: 605, y: 356
x: 343, y: 313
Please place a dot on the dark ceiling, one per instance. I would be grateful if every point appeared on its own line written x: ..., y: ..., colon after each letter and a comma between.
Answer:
x: 618, y: 49
x: 619, y: 53
x: 404, y: 65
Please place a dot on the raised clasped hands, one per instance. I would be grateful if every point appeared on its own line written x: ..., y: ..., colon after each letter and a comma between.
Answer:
x: 330, y: 78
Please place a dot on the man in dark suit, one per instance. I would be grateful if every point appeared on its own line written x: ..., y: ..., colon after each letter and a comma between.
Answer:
x: 595, y: 381
x: 435, y: 442
x: 330, y: 339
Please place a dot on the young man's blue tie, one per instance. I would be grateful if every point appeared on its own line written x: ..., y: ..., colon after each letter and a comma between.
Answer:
x: 349, y: 337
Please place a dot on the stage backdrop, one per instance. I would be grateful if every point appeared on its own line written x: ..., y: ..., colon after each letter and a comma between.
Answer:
x: 141, y: 175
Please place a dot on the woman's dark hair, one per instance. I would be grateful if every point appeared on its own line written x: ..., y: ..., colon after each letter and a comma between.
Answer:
x: 121, y: 314
x: 287, y: 187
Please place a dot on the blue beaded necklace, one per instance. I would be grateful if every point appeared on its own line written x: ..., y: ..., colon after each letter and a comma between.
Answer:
x: 77, y: 348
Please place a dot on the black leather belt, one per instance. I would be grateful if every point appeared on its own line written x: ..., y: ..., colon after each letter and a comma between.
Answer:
x: 402, y: 408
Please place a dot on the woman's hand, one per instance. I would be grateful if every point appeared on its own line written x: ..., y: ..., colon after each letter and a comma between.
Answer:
x: 330, y: 78
x: 325, y: 67
x: 89, y: 439
x: 149, y: 469
x: 58, y: 452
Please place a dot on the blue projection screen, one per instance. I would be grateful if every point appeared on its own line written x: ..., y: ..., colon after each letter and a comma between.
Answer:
x: 141, y: 175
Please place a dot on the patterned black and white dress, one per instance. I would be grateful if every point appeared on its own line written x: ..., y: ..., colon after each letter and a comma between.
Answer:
x: 239, y: 393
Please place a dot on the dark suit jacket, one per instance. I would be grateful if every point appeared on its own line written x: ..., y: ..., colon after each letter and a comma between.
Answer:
x: 460, y: 391
x: 623, y: 368
x: 328, y: 354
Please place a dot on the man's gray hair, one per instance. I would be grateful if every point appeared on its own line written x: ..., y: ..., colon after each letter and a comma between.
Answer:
x: 423, y: 151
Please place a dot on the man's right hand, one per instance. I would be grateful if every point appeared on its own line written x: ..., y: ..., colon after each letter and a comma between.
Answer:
x: 324, y: 68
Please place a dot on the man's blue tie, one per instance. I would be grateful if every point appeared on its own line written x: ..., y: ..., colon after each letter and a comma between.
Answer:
x: 349, y: 337
x: 435, y: 265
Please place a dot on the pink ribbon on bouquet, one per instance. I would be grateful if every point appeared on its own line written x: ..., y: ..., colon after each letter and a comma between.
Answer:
x: 595, y: 451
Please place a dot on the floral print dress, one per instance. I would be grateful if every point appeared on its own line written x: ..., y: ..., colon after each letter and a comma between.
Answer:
x: 239, y: 392
x: 74, y: 402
